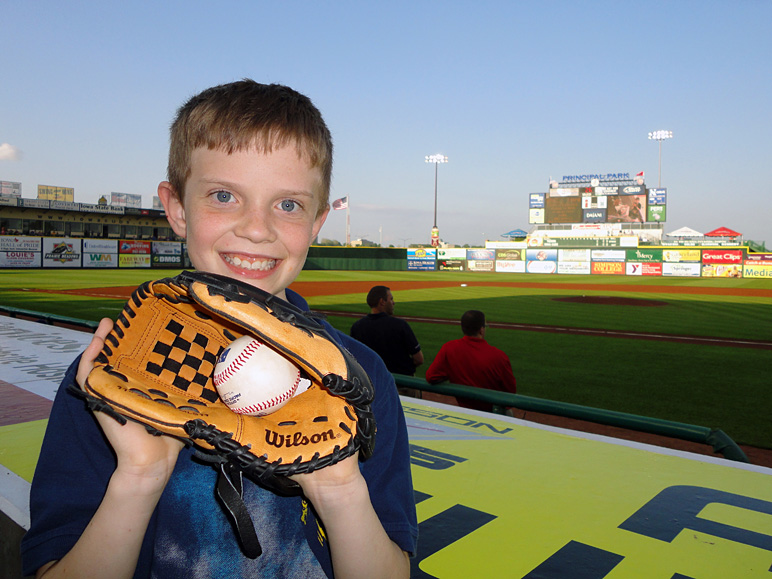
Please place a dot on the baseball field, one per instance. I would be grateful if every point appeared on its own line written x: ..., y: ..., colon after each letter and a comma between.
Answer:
x: 692, y: 350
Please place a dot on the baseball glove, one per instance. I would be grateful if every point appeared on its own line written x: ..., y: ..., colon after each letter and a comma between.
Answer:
x: 157, y: 365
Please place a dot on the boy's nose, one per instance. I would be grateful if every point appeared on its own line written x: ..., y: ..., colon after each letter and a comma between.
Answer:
x: 255, y: 225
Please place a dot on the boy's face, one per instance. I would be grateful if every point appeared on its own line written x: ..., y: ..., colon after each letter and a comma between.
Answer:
x: 248, y: 215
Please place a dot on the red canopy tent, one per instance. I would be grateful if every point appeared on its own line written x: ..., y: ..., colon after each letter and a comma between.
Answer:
x: 723, y: 232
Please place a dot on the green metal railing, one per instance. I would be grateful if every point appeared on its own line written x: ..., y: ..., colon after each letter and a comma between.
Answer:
x: 714, y: 437
x: 48, y: 319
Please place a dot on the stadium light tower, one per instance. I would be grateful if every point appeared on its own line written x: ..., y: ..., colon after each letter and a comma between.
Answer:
x: 660, y: 136
x: 436, y: 159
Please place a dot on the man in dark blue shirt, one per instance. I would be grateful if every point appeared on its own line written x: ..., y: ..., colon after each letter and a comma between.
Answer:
x: 390, y: 337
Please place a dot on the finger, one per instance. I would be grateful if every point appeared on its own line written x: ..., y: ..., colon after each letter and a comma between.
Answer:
x: 93, y: 349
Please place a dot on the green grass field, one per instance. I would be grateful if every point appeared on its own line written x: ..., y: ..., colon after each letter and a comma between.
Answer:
x: 707, y: 385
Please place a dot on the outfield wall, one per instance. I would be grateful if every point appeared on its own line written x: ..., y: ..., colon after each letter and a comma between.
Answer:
x: 18, y: 251
x: 501, y: 257
x: 667, y: 261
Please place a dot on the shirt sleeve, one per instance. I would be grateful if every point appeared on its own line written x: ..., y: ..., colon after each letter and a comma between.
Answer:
x: 437, y: 372
x: 387, y: 471
x: 411, y: 342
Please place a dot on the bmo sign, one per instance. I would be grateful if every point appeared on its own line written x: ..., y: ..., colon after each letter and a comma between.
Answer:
x: 722, y: 256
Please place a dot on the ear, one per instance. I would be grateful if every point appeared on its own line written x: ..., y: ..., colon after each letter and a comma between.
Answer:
x: 175, y: 211
x: 319, y: 221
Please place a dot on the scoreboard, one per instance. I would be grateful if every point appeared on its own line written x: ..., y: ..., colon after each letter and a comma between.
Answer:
x: 599, y: 201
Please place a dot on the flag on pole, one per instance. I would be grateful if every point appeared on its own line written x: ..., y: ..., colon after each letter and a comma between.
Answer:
x: 341, y: 203
x: 640, y: 174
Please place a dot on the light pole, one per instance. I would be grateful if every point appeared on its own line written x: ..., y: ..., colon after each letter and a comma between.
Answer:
x: 660, y: 136
x: 436, y: 159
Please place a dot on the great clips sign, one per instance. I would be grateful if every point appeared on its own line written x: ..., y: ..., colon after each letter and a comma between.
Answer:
x: 722, y: 256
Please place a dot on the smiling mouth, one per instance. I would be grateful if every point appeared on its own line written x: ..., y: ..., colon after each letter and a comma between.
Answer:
x: 253, y: 265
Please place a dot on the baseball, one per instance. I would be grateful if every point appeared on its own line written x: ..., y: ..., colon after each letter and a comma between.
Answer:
x: 253, y: 379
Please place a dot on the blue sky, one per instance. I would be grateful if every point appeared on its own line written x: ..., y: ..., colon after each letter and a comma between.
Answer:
x: 514, y: 93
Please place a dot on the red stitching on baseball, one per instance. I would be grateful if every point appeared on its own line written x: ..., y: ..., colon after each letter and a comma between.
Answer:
x: 236, y: 364
x: 252, y: 347
x: 267, y: 404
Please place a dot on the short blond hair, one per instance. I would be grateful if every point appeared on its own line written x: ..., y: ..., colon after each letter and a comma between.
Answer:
x: 243, y: 115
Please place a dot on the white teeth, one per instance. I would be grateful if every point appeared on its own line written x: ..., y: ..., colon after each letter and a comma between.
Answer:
x: 260, y: 265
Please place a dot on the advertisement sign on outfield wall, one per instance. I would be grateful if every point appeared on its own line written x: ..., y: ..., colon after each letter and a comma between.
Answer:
x: 133, y: 260
x: 100, y: 260
x: 451, y: 253
x: 642, y: 254
x: 20, y: 243
x: 167, y: 248
x: 100, y: 253
x: 541, y: 260
x: 608, y: 255
x: 451, y: 259
x: 754, y: 270
x: 451, y: 264
x: 608, y: 267
x: 20, y: 259
x: 484, y: 254
x: 722, y: 256
x: 759, y: 258
x: 574, y: 255
x: 100, y: 246
x: 510, y: 254
x: 721, y: 270
x: 681, y: 269
x: 166, y: 260
x: 132, y: 246
x: 61, y: 252
x: 480, y: 265
x: 681, y: 255
x: 505, y: 266
x: 575, y: 267
x: 421, y: 258
x: 643, y: 268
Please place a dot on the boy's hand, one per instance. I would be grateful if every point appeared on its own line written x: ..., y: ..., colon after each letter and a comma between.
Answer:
x: 331, y: 481
x: 147, y: 460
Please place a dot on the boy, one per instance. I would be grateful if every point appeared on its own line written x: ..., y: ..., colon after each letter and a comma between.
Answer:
x: 249, y: 178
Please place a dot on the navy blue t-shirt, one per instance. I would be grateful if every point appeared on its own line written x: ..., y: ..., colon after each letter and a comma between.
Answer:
x: 391, y: 338
x: 189, y: 534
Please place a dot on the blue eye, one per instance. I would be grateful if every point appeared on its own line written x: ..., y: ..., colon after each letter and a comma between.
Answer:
x: 288, y: 205
x: 223, y: 196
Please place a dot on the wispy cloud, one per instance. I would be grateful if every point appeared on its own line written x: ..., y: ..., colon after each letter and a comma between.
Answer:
x: 9, y: 153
